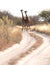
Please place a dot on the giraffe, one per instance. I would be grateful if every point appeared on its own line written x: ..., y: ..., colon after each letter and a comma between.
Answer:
x: 25, y: 20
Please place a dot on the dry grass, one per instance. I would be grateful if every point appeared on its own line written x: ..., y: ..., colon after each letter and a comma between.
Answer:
x: 9, y: 36
x: 45, y: 28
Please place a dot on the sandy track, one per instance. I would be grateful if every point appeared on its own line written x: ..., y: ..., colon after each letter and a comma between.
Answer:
x: 40, y: 56
x: 38, y: 42
x: 29, y: 48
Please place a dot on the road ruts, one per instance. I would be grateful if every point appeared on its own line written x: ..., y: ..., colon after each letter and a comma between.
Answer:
x: 41, y: 56
x: 38, y: 42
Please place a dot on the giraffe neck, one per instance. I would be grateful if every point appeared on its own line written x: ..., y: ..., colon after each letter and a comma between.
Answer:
x: 22, y: 16
x: 26, y: 17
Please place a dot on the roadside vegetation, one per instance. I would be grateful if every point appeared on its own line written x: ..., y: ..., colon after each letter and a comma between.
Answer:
x: 10, y: 26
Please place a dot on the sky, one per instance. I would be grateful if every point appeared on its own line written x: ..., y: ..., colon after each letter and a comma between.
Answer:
x: 33, y: 7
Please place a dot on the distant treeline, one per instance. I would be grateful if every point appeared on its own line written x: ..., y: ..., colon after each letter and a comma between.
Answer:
x: 8, y: 19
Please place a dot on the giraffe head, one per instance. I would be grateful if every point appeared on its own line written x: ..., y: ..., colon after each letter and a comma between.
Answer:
x: 25, y: 12
x: 21, y: 10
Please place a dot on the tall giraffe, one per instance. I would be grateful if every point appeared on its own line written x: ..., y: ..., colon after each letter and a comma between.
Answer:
x: 27, y: 20
x: 23, y: 20
x: 22, y: 15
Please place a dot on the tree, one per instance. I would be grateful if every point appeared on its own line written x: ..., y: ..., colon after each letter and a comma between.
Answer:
x: 46, y: 15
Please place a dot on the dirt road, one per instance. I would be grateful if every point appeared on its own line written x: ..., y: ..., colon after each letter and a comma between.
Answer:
x: 33, y: 49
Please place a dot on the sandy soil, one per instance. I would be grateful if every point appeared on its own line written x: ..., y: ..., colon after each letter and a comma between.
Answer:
x: 33, y: 50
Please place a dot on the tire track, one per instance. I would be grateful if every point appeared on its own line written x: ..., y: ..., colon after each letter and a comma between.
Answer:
x: 38, y: 42
x: 37, y: 54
